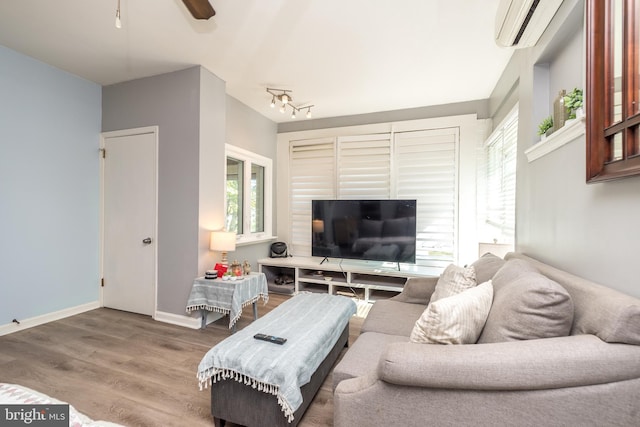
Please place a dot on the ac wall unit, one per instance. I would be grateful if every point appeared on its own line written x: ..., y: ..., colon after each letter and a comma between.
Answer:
x: 520, y: 23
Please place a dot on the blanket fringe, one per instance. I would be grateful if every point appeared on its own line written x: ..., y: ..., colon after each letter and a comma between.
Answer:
x: 214, y: 375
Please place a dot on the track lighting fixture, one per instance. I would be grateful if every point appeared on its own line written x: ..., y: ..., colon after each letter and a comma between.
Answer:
x: 118, y: 21
x: 284, y: 97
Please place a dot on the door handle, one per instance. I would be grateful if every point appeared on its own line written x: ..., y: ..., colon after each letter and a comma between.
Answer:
x: 147, y: 241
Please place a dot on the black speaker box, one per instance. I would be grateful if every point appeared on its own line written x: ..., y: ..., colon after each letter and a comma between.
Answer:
x: 278, y: 250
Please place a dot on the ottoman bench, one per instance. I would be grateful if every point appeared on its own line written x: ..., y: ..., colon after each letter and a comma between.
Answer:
x: 258, y: 383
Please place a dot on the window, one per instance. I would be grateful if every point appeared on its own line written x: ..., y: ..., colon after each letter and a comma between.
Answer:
x: 427, y: 170
x: 497, y: 189
x: 248, y: 201
x: 419, y: 165
x: 613, y: 89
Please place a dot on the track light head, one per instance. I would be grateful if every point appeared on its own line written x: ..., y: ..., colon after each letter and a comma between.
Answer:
x: 285, y: 99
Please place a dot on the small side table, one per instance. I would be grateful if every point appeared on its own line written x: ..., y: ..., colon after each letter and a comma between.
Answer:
x: 227, y: 296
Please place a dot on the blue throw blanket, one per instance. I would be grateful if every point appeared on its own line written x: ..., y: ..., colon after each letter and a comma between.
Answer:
x: 311, y: 323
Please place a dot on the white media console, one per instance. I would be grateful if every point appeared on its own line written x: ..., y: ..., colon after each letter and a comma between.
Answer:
x: 368, y: 280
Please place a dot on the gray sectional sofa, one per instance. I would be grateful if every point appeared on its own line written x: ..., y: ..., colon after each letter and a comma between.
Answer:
x: 519, y: 373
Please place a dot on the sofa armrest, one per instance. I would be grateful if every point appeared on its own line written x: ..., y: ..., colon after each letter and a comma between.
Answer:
x: 417, y: 290
x: 516, y: 365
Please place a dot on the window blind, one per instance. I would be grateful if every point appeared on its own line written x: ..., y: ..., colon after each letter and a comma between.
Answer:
x: 500, y: 182
x: 420, y: 165
x: 364, y: 167
x: 426, y: 170
x: 312, y: 176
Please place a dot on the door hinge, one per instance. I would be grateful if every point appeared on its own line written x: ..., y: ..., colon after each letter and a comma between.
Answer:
x: 103, y: 153
x: 102, y: 282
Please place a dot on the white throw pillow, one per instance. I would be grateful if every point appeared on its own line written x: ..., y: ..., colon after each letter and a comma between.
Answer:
x: 457, y: 319
x: 454, y: 280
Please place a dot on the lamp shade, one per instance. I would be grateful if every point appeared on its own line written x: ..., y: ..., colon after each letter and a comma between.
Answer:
x: 317, y: 226
x: 223, y: 241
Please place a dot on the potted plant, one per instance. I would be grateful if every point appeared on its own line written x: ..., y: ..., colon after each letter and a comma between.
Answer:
x: 573, y: 103
x: 545, y: 126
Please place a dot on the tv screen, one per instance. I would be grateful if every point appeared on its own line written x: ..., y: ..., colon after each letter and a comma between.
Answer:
x: 378, y: 230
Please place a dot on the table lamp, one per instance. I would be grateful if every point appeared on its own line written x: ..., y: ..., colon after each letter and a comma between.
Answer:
x: 317, y: 226
x: 223, y: 241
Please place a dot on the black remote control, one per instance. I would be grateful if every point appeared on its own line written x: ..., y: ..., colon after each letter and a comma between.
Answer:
x: 270, y: 338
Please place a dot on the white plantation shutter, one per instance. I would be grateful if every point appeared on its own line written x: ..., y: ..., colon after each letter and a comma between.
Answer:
x: 426, y: 170
x: 312, y: 175
x: 500, y: 188
x: 420, y: 165
x: 364, y: 167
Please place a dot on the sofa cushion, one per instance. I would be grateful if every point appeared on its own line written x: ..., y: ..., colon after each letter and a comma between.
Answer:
x: 457, y: 319
x: 609, y: 314
x: 363, y: 355
x: 392, y: 317
x: 510, y: 271
x: 454, y: 280
x: 526, y: 305
x: 486, y: 266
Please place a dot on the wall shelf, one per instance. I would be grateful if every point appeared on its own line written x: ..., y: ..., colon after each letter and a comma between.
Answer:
x: 562, y: 136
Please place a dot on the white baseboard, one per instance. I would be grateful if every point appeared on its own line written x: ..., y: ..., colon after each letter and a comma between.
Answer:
x: 185, y: 321
x: 178, y: 319
x: 46, y: 318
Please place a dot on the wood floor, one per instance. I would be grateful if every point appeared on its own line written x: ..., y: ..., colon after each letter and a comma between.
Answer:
x: 129, y: 369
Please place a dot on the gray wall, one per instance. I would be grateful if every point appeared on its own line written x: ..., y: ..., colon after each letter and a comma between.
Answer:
x: 212, y: 187
x: 172, y: 102
x: 49, y: 188
x: 588, y: 230
x: 195, y: 118
x: 478, y: 107
x: 252, y: 131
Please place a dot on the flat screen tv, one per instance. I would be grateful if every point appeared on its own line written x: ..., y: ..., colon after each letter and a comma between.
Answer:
x: 377, y: 230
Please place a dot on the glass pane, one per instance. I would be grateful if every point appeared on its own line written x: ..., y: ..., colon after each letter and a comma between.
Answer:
x: 617, y: 39
x: 616, y: 147
x: 635, y: 141
x: 235, y: 173
x: 257, y: 198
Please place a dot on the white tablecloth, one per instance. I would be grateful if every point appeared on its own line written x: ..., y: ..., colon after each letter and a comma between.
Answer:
x: 226, y: 296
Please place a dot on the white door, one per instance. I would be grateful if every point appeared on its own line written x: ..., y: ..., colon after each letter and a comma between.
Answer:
x: 129, y: 220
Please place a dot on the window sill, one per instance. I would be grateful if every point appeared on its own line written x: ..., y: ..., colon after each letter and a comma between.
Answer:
x: 562, y: 136
x: 255, y: 239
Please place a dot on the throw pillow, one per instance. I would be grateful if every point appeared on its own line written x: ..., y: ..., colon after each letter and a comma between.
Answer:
x: 510, y: 271
x: 486, y: 266
x: 528, y: 307
x: 453, y: 280
x: 457, y: 319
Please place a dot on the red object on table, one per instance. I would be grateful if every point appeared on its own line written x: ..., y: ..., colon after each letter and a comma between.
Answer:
x: 221, y: 269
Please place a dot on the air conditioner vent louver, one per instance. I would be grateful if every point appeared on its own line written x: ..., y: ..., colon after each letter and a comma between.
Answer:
x: 520, y: 23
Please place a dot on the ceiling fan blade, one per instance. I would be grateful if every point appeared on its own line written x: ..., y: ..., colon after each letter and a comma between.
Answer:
x: 200, y: 9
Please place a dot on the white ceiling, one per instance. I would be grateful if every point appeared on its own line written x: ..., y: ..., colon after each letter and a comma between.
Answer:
x: 344, y: 56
